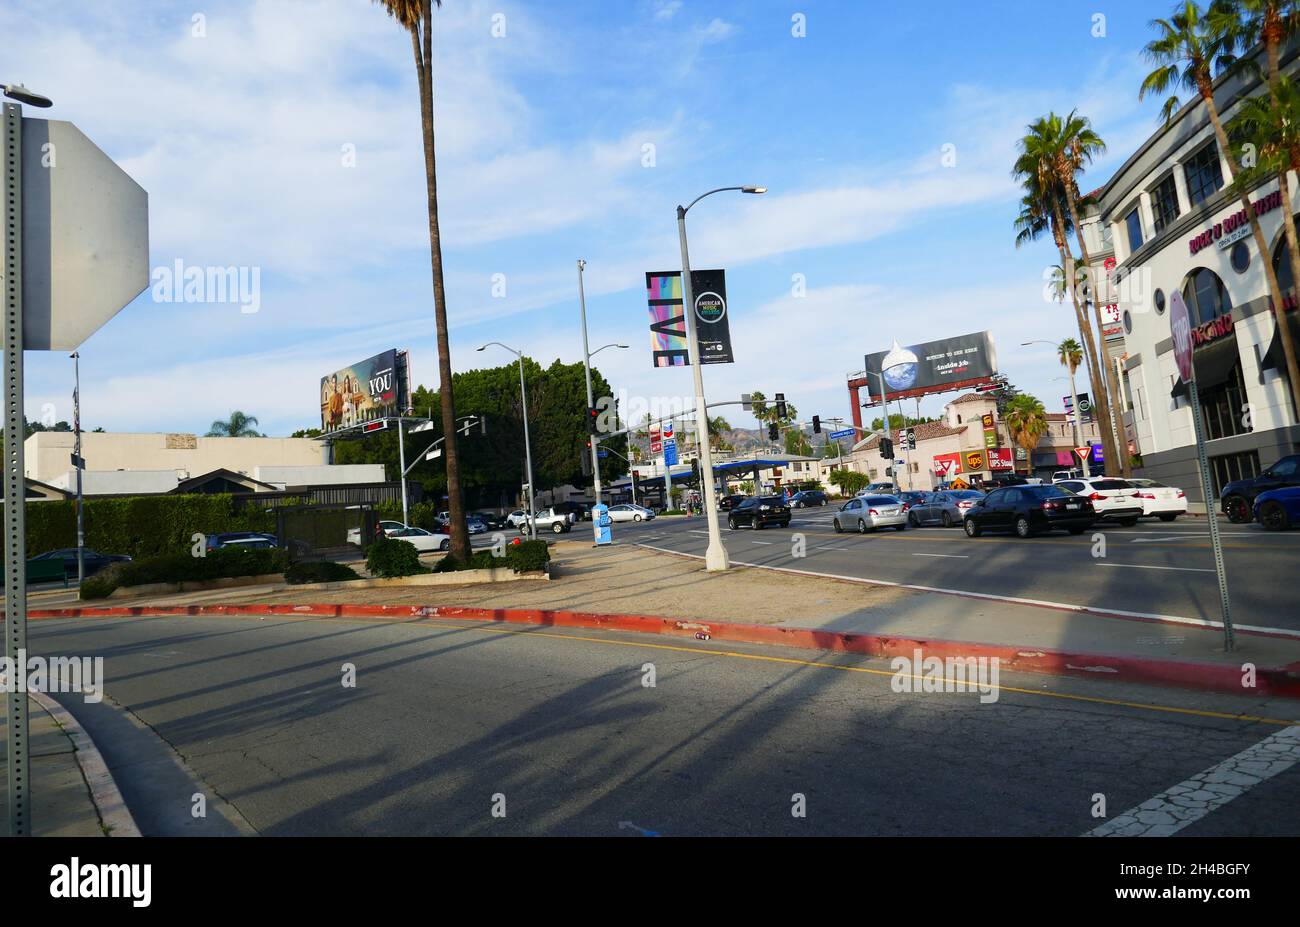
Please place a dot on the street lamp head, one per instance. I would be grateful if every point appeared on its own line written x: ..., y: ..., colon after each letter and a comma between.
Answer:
x: 23, y: 95
x: 620, y: 346
x: 753, y: 189
x: 480, y: 347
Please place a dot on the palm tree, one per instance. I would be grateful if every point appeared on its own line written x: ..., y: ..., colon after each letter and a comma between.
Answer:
x: 1027, y: 421
x: 1071, y: 356
x: 1190, y: 47
x: 1044, y: 209
x: 717, y: 426
x: 238, y: 425
x: 416, y: 16
x: 1052, y: 154
x: 1269, y: 127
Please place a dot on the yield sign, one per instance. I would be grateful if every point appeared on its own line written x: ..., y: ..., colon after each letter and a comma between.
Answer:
x: 1083, y: 452
x: 85, y: 236
x: 943, y: 466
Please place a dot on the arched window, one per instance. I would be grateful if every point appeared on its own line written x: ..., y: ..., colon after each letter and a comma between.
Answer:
x: 1206, y: 296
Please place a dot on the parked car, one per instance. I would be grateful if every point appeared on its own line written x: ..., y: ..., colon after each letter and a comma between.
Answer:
x: 867, y: 513
x: 1028, y: 510
x: 424, y: 541
x: 1112, y: 499
x: 93, y: 559
x: 475, y: 525
x: 807, y: 498
x: 1164, y: 502
x: 253, y: 539
x: 879, y: 489
x: 549, y: 520
x: 1238, y: 497
x: 946, y: 508
x: 988, y: 484
x: 516, y: 518
x: 759, y: 512
x: 727, y: 503
x: 629, y: 512
x: 493, y: 521
x: 1278, y: 509
x: 912, y: 497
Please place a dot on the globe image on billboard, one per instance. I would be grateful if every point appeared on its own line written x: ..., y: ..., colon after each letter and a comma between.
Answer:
x: 899, y: 368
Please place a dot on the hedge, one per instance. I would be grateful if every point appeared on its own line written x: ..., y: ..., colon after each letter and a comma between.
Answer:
x: 524, y: 557
x: 390, y: 557
x: 140, y: 526
x: 184, y: 568
x: 319, y: 571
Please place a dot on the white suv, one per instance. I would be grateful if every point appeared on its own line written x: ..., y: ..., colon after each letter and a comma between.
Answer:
x: 1112, y: 499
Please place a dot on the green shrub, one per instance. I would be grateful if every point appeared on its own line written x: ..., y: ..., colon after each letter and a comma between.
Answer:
x: 527, y: 556
x: 320, y: 571
x: 184, y: 568
x: 479, y: 560
x: 390, y: 557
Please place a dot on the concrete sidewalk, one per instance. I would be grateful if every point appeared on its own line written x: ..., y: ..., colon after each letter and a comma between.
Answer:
x: 625, y: 579
x: 62, y: 803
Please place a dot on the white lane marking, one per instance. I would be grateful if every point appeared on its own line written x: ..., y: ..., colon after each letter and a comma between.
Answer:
x: 990, y: 597
x: 953, y: 556
x: 768, y: 543
x: 1143, y: 566
x: 1189, y: 801
x: 693, y: 531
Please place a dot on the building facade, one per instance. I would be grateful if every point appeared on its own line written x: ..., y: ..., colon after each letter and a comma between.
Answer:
x: 1176, y: 225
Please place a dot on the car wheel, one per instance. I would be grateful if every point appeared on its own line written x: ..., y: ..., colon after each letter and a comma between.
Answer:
x: 445, y: 545
x: 946, y: 520
x: 1169, y: 517
x: 1128, y: 522
x: 862, y: 526
x: 786, y: 523
x: 839, y: 529
x: 1237, y: 510
x: 636, y: 517
x: 557, y: 528
x: 731, y: 523
x: 972, y: 529
x: 1272, y: 515
x: 912, y: 520
x: 1023, y: 530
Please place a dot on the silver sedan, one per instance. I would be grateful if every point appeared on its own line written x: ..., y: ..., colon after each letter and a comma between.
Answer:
x: 867, y: 513
x: 947, y: 507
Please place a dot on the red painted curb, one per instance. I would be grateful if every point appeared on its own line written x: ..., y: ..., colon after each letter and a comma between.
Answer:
x: 1273, y: 681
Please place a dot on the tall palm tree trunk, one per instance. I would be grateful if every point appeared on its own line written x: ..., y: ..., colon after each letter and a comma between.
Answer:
x: 1261, y: 245
x: 1108, y: 411
x: 460, y: 547
x: 1085, y: 328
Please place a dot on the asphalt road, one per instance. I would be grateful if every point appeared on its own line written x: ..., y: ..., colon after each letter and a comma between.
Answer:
x: 1153, y: 567
x: 449, y: 720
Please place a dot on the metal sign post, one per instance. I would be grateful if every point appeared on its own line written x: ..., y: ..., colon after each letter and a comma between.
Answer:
x: 1181, y: 326
x: 15, y: 520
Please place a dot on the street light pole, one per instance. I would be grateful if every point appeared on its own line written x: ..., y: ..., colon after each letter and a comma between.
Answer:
x: 1074, y: 398
x: 76, y: 428
x: 528, y: 449
x: 715, y: 557
x: 401, y: 465
x: 586, y: 365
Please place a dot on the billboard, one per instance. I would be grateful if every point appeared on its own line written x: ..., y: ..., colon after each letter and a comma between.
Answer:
x: 668, y: 323
x: 373, y: 389
x: 931, y: 367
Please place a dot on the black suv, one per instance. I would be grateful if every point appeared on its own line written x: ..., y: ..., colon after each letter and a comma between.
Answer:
x: 807, y: 497
x: 727, y: 503
x: 1238, y: 497
x: 759, y: 512
x: 1027, y: 510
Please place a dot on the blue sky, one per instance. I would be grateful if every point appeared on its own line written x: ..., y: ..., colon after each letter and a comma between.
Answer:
x: 237, y: 125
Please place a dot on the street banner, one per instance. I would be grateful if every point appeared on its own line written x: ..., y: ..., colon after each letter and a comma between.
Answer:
x: 668, y: 323
x: 656, y: 443
x: 990, y: 430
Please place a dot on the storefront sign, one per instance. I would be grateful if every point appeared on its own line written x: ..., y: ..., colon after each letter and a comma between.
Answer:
x: 1210, y: 331
x: 947, y: 464
x: 973, y: 461
x: 1236, y: 226
x: 1000, y: 459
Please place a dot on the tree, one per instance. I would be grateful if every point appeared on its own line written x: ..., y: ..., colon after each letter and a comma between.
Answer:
x: 238, y: 425
x: 849, y: 481
x: 1070, y: 355
x: 416, y: 16
x: 898, y: 422
x: 1027, y: 421
x: 1191, y: 46
x: 1046, y: 169
x: 718, y: 426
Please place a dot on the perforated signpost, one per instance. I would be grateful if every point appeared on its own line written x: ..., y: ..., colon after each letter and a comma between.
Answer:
x: 1180, y: 325
x: 76, y: 251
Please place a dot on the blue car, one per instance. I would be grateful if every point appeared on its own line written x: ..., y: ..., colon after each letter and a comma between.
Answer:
x: 1278, y: 509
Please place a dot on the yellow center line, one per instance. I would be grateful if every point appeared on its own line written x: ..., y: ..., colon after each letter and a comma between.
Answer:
x: 817, y: 664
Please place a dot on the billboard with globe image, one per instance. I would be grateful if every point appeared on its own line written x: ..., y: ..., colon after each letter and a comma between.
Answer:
x: 933, y: 366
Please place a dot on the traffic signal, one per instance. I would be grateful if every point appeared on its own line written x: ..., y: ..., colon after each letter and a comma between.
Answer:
x: 695, y: 469
x: 593, y: 416
x: 887, y: 448
x: 773, y: 432
x: 817, y: 424
x: 586, y: 461
x: 911, y: 439
x: 780, y: 405
x: 636, y: 480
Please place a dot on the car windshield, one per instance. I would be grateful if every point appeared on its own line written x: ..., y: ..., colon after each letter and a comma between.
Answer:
x: 1110, y: 484
x: 964, y: 494
x: 881, y: 500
